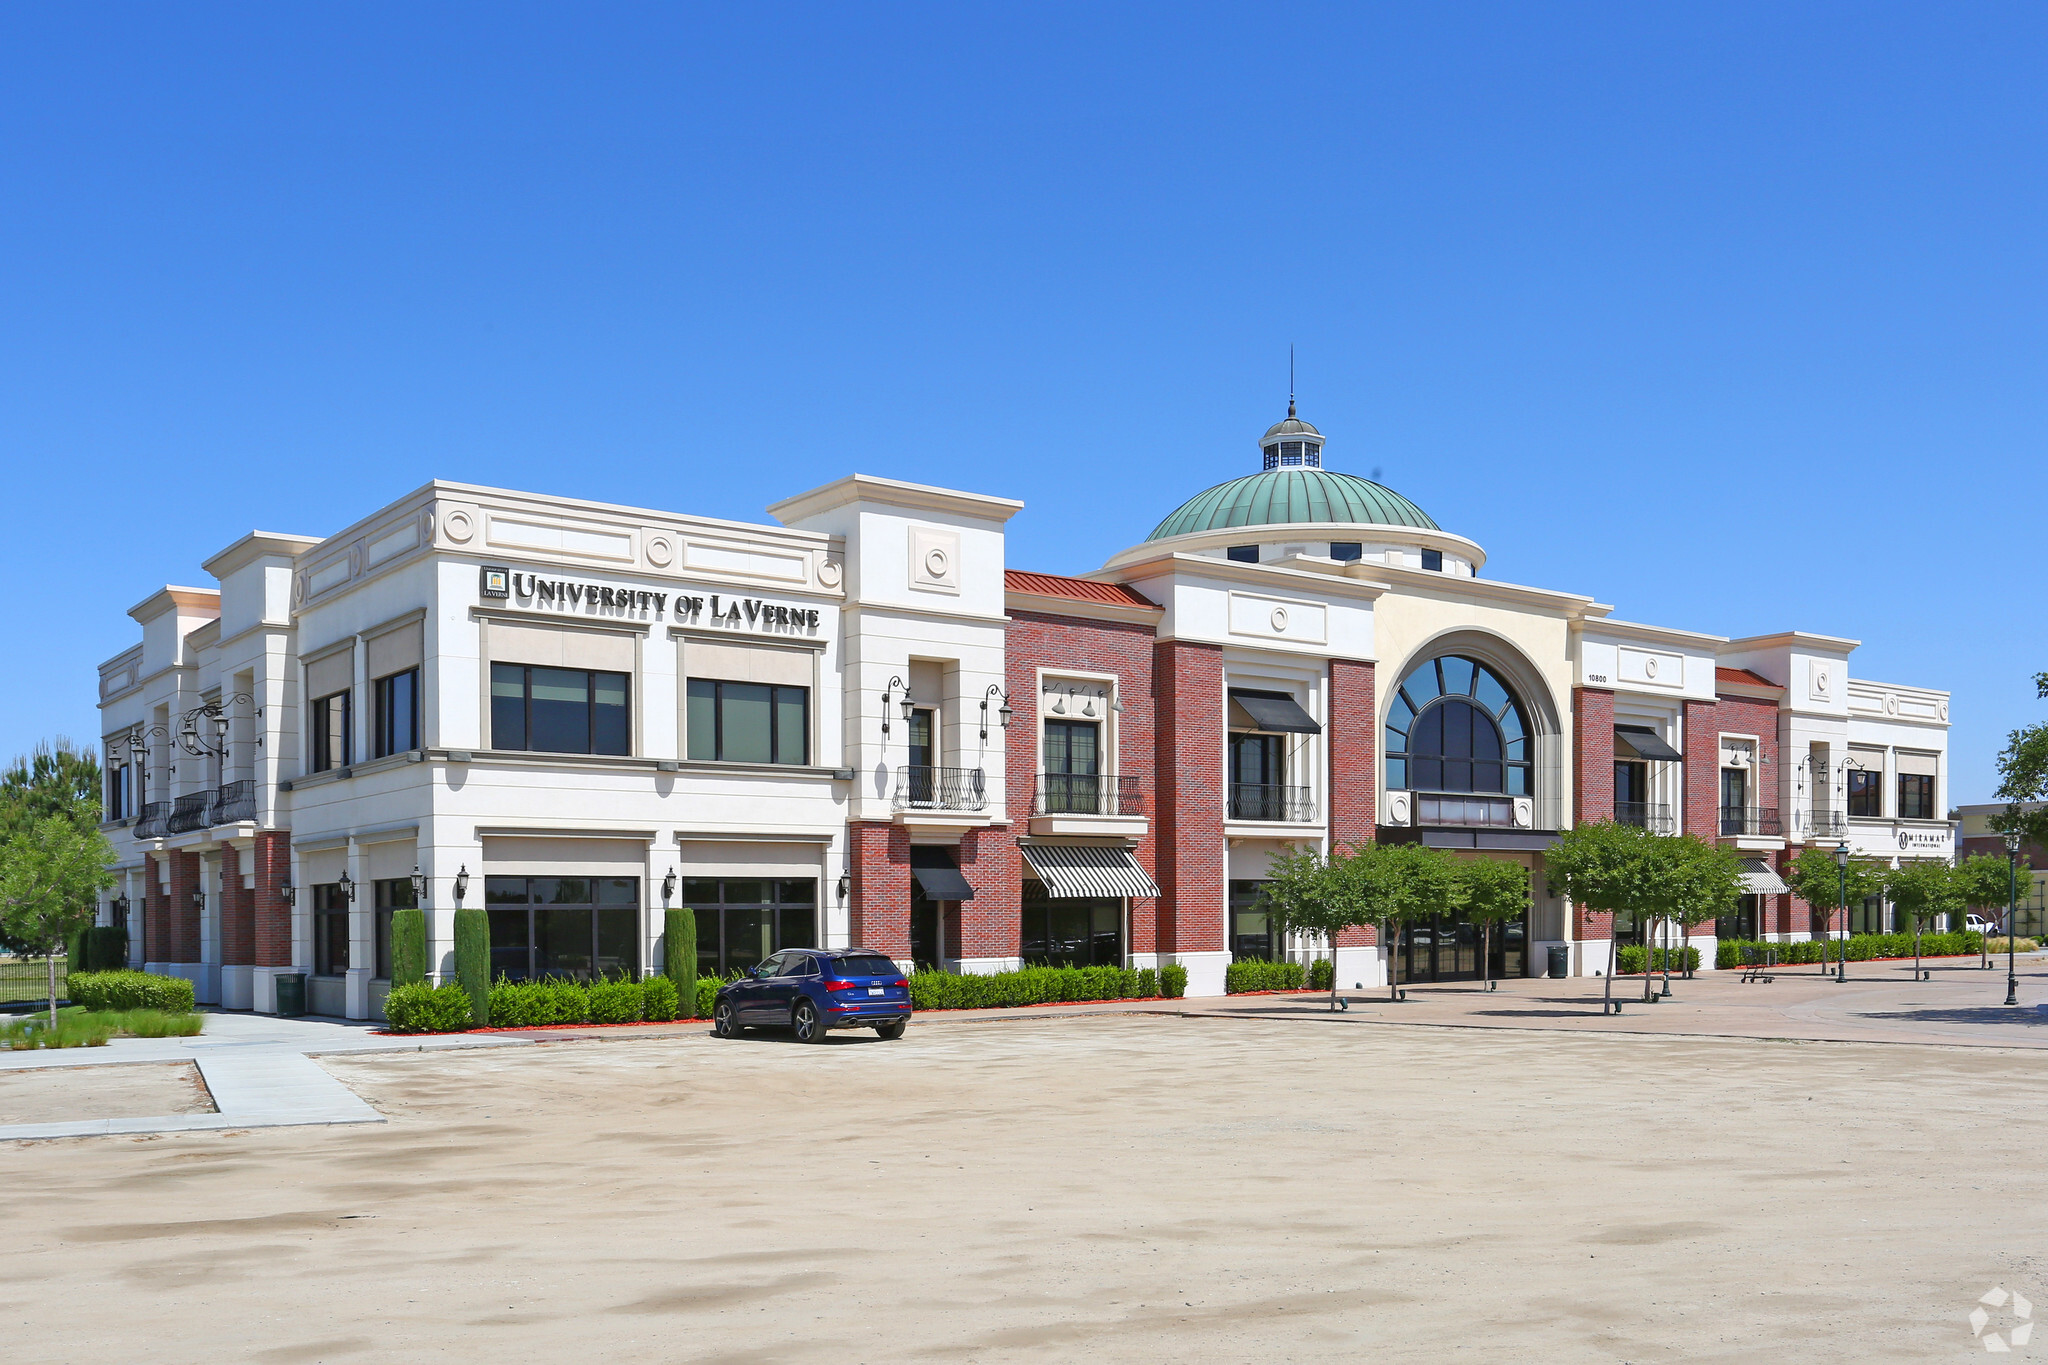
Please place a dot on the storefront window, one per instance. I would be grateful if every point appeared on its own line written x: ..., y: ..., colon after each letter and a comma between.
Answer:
x: 1251, y: 928
x: 583, y: 928
x: 393, y: 893
x: 743, y: 921
x: 330, y: 930
x: 737, y: 722
x: 1741, y: 924
x: 1070, y: 932
x: 1867, y: 917
x: 559, y: 710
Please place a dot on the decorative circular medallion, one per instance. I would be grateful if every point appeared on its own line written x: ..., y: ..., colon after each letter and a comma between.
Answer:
x: 661, y: 551
x: 1820, y: 680
x: 1397, y: 807
x: 828, y: 574
x: 1279, y: 618
x: 1941, y: 709
x: 937, y: 562
x: 1891, y: 704
x: 1649, y: 668
x: 460, y: 526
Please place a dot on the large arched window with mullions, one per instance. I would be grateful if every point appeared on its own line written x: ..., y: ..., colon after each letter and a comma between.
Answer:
x: 1454, y: 726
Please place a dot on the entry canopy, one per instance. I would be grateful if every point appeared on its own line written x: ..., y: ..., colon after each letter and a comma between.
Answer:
x: 1075, y: 871
x: 1274, y: 711
x: 1640, y: 741
x: 938, y: 876
x: 1759, y: 880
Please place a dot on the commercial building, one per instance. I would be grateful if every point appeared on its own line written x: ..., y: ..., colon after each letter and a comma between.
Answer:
x: 858, y: 724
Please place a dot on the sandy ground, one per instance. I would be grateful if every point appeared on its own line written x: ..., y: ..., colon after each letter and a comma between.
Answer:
x: 1126, y: 1188
x: 137, y: 1090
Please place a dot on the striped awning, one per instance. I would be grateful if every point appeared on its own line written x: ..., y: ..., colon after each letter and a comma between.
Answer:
x: 1759, y: 880
x: 1073, y: 871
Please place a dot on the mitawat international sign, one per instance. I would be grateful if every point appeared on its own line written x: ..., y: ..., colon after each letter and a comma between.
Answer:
x: 714, y: 609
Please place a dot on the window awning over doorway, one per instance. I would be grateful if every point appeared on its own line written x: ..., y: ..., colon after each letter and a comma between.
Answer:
x: 1076, y: 871
x: 938, y: 876
x: 1640, y: 741
x: 1275, y: 711
x: 1759, y: 880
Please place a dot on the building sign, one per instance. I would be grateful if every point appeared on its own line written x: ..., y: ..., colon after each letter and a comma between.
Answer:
x: 716, y: 609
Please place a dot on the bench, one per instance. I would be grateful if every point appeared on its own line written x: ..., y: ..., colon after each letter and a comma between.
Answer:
x: 1757, y: 962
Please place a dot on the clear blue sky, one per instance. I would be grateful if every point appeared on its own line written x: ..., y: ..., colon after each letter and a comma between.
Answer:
x: 1730, y: 316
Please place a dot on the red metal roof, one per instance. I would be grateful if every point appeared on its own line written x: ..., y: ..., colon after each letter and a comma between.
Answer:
x: 1742, y: 677
x: 1079, y: 589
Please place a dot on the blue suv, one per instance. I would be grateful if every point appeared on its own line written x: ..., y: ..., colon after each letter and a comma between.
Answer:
x: 814, y: 990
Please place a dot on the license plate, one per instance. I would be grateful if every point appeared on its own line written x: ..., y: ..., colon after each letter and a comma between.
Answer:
x: 874, y: 990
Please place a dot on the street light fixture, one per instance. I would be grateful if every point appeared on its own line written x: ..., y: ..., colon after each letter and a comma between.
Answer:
x: 895, y: 681
x: 2012, y: 883
x: 668, y: 887
x: 348, y: 887
x: 419, y: 888
x: 1842, y: 899
x: 461, y: 885
x: 1003, y: 712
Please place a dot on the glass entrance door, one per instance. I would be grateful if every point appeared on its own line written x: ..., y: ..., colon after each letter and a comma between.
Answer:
x: 1447, y: 949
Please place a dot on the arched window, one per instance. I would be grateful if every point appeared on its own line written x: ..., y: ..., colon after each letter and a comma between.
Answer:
x: 1455, y: 727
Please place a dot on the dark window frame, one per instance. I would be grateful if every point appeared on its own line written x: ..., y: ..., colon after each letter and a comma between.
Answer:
x: 1242, y: 554
x: 1405, y: 715
x: 776, y: 693
x: 499, y: 906
x: 387, y: 733
x: 1347, y: 551
x: 787, y: 911
x: 324, y: 739
x: 391, y: 893
x: 590, y: 706
x: 1105, y: 948
x: 1916, y: 796
x: 330, y: 930
x: 1433, y: 560
x: 1866, y: 793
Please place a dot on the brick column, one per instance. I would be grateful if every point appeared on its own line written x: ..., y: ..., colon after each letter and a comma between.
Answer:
x: 1353, y: 735
x: 237, y: 911
x: 270, y: 918
x: 156, y: 911
x: 1702, y: 812
x: 988, y: 924
x: 1187, y: 682
x: 880, y: 914
x: 1592, y: 786
x: 182, y: 939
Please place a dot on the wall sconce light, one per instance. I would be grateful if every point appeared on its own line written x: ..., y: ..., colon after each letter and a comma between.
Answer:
x: 121, y: 906
x: 199, y: 898
x: 894, y: 683
x: 289, y: 892
x: 1088, y: 707
x: 668, y: 887
x: 461, y: 884
x: 348, y: 887
x: 845, y: 885
x: 1003, y: 712
x: 1059, y: 703
x: 419, y: 887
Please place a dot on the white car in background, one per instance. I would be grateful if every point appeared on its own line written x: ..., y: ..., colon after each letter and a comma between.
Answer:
x: 1977, y: 924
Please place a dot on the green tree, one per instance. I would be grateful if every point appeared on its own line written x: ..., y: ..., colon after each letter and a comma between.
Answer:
x: 1306, y: 892
x: 2023, y: 778
x: 58, y: 778
x: 1705, y: 880
x: 1815, y: 879
x: 1395, y: 885
x: 1626, y: 870
x: 1925, y: 889
x: 1491, y: 891
x: 1985, y: 881
x: 51, y: 874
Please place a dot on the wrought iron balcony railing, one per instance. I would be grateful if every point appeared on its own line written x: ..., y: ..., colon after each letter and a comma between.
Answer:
x: 1822, y: 824
x: 191, y: 811
x: 1650, y: 815
x: 235, y: 801
x: 1087, y: 794
x: 1750, y: 820
x: 1258, y: 801
x: 154, y: 821
x: 922, y: 787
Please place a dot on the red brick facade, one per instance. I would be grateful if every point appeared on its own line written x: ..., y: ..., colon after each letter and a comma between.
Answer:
x: 237, y: 911
x: 879, y: 916
x: 156, y: 909
x: 1592, y: 786
x: 1188, y: 687
x: 987, y: 926
x: 181, y: 940
x: 1353, y: 731
x: 270, y: 918
x: 1705, y: 723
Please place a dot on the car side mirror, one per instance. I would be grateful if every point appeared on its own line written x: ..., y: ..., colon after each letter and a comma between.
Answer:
x: 756, y: 972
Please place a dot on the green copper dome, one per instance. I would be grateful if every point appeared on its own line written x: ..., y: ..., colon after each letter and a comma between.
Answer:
x: 1277, y: 497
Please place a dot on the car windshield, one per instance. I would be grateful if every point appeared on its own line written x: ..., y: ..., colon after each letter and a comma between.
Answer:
x: 868, y: 964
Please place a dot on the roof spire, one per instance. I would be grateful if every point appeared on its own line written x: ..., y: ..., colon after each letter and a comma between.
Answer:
x: 1290, y: 379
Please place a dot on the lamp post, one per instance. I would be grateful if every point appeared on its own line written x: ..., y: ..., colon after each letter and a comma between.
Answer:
x: 1842, y: 899
x: 2012, y: 897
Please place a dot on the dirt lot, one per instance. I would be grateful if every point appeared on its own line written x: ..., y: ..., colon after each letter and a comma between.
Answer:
x: 1125, y: 1188
x: 135, y: 1090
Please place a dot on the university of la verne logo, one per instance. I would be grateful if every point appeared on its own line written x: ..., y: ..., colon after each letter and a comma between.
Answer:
x: 2020, y: 1309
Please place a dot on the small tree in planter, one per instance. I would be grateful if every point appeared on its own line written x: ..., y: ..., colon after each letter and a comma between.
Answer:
x: 1984, y: 882
x: 1625, y: 869
x: 1705, y: 880
x: 51, y: 874
x: 1396, y: 884
x: 1815, y: 879
x: 1491, y: 891
x: 1927, y: 889
x: 679, y: 957
x: 1309, y: 893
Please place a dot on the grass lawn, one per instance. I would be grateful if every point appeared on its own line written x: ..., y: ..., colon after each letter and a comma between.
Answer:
x: 78, y: 1027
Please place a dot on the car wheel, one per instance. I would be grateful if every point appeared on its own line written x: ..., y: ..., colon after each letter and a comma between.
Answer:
x: 724, y: 1022
x: 889, y: 1033
x: 804, y: 1019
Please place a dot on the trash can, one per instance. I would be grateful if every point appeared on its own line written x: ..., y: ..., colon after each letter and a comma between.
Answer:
x: 291, y: 994
x: 1560, y: 961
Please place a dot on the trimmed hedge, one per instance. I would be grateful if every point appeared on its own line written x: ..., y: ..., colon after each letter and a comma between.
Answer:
x: 106, y: 948
x: 1242, y: 978
x: 417, y: 1007
x: 679, y: 953
x: 1862, y: 948
x: 661, y: 1000
x: 132, y: 991
x: 473, y: 960
x: 1319, y: 973
x: 408, y: 947
x: 1173, y: 981
x: 1682, y: 960
x: 1030, y: 986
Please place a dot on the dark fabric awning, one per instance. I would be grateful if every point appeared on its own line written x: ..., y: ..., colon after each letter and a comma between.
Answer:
x: 1276, y: 711
x: 938, y: 876
x: 1640, y: 741
x: 1073, y: 871
x: 1759, y: 880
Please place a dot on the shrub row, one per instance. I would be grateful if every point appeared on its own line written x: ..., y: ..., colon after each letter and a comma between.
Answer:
x: 1319, y: 973
x: 1862, y: 948
x: 1241, y: 978
x: 96, y: 948
x: 1042, y: 986
x: 1682, y: 959
x: 126, y: 990
x: 526, y: 1004
x: 417, y: 1007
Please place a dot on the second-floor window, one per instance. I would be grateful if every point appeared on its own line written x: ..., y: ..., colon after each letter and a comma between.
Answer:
x: 117, y: 794
x: 1866, y: 793
x: 559, y: 710
x: 1916, y: 796
x: 398, y: 713
x: 333, y: 729
x: 744, y: 722
x: 1073, y: 764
